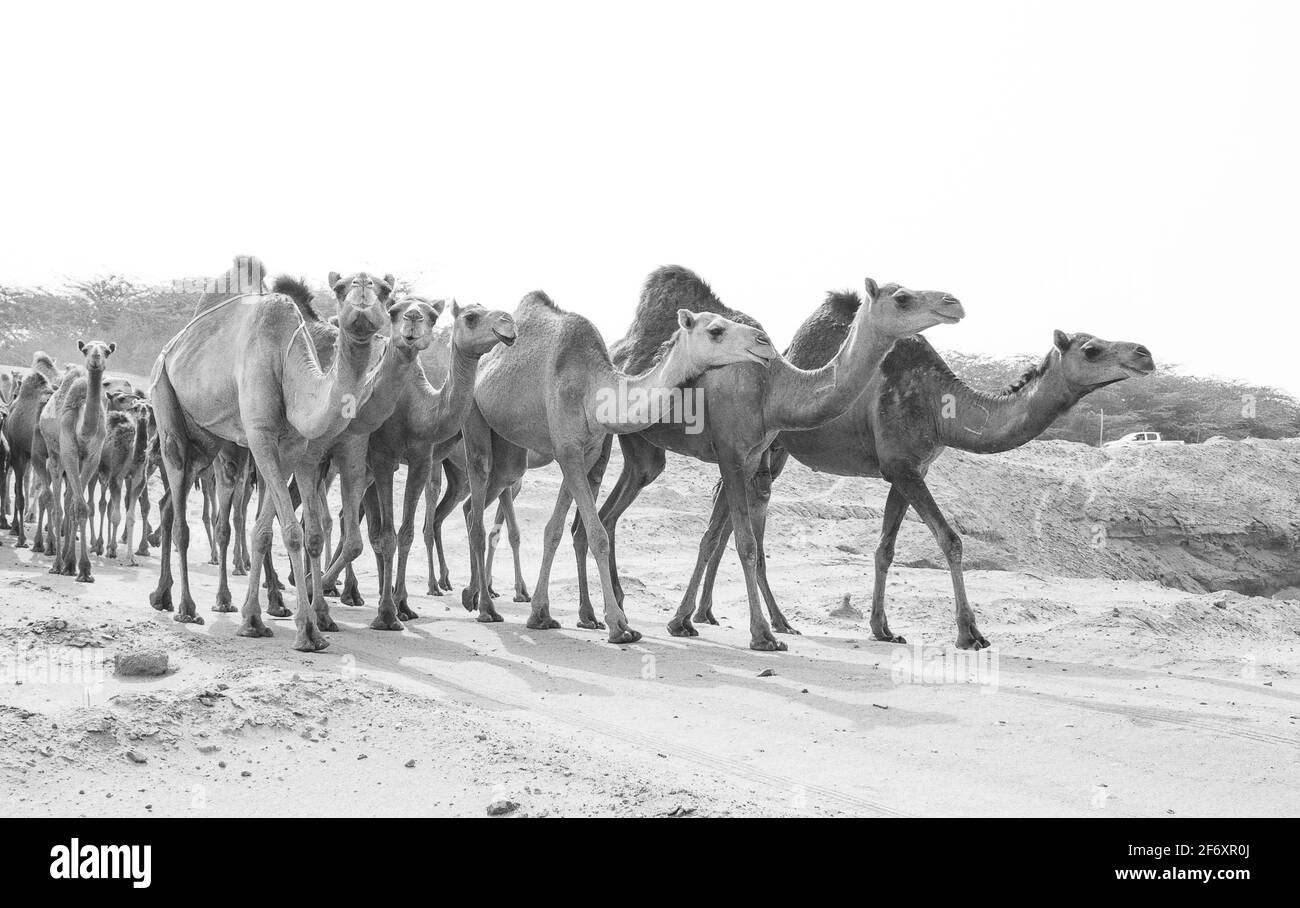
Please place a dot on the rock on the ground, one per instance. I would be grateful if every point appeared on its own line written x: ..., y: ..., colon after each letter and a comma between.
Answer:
x: 501, y: 807
x: 140, y: 662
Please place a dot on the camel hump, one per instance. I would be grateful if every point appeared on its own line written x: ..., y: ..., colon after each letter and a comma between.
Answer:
x: 913, y: 354
x: 820, y: 336
x: 666, y: 290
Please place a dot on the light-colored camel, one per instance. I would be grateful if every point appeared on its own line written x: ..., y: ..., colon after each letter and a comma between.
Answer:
x: 747, y: 407
x: 73, y: 427
x: 126, y: 423
x: 244, y: 373
x: 912, y: 409
x: 424, y: 418
x: 556, y: 393
x: 36, y: 388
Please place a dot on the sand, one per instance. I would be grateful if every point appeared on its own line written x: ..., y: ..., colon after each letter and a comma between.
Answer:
x: 1104, y: 695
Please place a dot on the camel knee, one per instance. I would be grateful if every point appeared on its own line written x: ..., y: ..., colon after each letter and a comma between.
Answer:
x: 261, y: 540
x: 293, y: 537
x: 315, y: 543
x: 406, y: 536
x: 884, y: 556
x: 950, y: 545
x: 352, y: 548
x: 747, y: 549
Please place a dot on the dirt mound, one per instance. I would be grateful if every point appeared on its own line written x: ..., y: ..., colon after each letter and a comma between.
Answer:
x: 1200, y: 518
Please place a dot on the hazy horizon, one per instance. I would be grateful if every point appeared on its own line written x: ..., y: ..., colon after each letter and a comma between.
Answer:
x: 1126, y: 170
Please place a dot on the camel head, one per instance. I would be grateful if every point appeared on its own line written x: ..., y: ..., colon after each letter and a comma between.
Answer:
x: 711, y: 340
x: 476, y: 330
x: 120, y: 394
x: 412, y: 319
x: 1089, y: 362
x: 363, y: 300
x: 96, y: 353
x: 898, y: 311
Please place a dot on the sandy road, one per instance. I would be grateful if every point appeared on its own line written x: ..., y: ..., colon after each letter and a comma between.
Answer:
x: 1100, y: 698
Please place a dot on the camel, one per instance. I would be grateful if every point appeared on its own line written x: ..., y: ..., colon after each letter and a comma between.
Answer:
x: 245, y: 374
x: 120, y: 464
x: 913, y: 408
x: 557, y: 393
x: 424, y: 418
x: 21, y: 425
x: 745, y: 410
x: 73, y: 428
x: 436, y: 361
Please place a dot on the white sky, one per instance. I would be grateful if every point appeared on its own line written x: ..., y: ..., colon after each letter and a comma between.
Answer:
x: 1127, y: 169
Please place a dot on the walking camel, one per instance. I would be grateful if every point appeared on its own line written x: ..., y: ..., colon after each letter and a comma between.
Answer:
x: 244, y: 373
x: 912, y: 409
x: 745, y: 409
x: 556, y: 393
x: 35, y: 390
x: 72, y: 430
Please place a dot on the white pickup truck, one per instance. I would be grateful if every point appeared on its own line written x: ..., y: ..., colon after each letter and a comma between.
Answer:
x: 1139, y: 439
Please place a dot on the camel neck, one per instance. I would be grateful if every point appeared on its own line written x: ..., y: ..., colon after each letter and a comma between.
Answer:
x: 390, y: 380
x: 629, y: 403
x: 452, y: 400
x: 807, y: 398
x: 320, y: 404
x: 986, y: 423
x: 92, y: 413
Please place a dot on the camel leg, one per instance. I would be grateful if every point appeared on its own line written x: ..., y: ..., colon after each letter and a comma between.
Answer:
x: 260, y: 543
x: 642, y: 464
x: 97, y: 531
x: 457, y: 491
x: 417, y: 478
x: 493, y: 538
x: 351, y: 594
x: 539, y: 616
x: 239, y: 512
x: 479, y: 463
x: 144, y: 517
x: 913, y: 487
x: 114, y: 518
x: 20, y: 464
x: 712, y: 545
x: 132, y: 495
x: 180, y: 477
x: 52, y: 489
x: 739, y: 491
x: 579, y: 479
x: 352, y: 487
x: 895, y: 511
x: 380, y: 521
x: 223, y: 473
x: 507, y: 506
x: 431, y: 490
x: 313, y: 518
x: 308, y: 638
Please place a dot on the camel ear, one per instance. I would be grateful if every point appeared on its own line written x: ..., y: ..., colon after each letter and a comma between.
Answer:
x: 112, y: 347
x: 686, y: 318
x: 1061, y: 339
x: 872, y: 288
x: 438, y: 306
x: 431, y: 311
x: 455, y: 308
x: 395, y: 310
x: 81, y: 346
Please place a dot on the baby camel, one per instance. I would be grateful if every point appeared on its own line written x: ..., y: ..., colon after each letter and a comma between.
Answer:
x: 556, y: 393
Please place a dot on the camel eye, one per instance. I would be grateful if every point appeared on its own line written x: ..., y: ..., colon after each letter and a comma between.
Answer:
x: 716, y: 332
x: 1091, y: 352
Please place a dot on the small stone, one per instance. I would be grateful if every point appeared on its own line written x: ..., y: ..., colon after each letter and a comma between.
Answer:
x: 410, y: 764
x: 135, y: 757
x: 846, y: 609
x: 501, y: 807
x: 767, y: 673
x: 140, y: 662
x: 245, y: 773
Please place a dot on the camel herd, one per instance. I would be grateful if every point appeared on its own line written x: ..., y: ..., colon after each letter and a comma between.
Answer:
x: 260, y: 392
